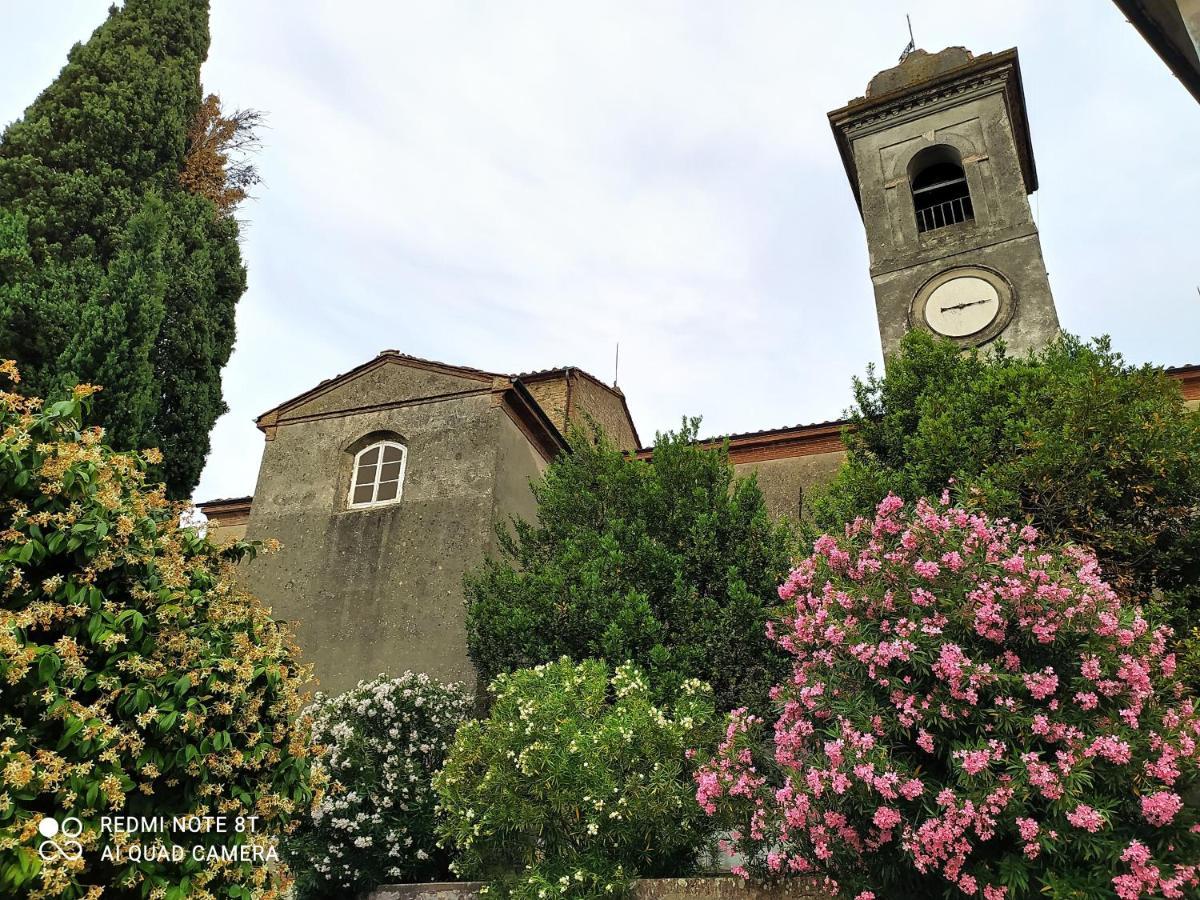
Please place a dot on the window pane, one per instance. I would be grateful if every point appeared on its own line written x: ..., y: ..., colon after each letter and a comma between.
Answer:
x: 392, y: 453
x: 390, y: 471
x: 362, y: 493
x: 388, y: 490
x: 364, y: 475
x: 370, y: 457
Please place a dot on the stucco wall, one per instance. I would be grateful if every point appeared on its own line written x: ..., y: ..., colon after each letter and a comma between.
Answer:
x: 389, y: 382
x: 380, y: 590
x: 518, y: 464
x: 785, y: 481
x: 221, y: 533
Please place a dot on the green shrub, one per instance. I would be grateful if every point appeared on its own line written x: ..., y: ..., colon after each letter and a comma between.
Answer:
x: 576, y: 783
x: 1091, y: 450
x: 138, y: 679
x: 380, y: 745
x: 672, y: 565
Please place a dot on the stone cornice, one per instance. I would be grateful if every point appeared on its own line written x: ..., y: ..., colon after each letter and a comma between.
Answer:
x: 983, y: 75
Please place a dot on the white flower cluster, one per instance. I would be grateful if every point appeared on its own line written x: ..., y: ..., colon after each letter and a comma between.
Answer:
x: 581, y: 764
x: 382, y: 742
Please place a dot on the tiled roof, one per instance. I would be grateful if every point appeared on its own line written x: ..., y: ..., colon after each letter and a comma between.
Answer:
x: 398, y: 354
x: 223, y: 500
x: 467, y: 370
x: 770, y: 432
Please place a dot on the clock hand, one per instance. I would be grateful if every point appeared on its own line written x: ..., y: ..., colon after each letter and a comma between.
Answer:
x: 965, y: 305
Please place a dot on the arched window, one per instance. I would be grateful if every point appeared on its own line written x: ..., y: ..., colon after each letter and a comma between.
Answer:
x: 378, y: 474
x: 939, y: 188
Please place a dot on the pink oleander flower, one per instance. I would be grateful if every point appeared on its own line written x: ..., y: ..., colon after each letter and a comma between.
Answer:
x: 1110, y: 748
x: 912, y: 789
x: 1041, y: 684
x: 1083, y: 816
x: 886, y: 817
x: 1136, y: 854
x: 1028, y: 829
x: 976, y: 761
x: 926, y: 569
x: 1160, y: 808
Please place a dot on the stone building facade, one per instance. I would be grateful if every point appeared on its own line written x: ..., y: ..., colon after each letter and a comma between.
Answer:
x: 385, y: 484
x: 377, y: 586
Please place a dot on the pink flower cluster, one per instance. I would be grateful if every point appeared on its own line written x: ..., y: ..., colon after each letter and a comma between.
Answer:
x: 933, y: 639
x: 1148, y: 880
x: 1083, y: 816
x: 1160, y: 808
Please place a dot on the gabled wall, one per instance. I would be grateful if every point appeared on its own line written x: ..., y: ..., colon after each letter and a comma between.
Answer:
x: 571, y: 396
x: 380, y: 589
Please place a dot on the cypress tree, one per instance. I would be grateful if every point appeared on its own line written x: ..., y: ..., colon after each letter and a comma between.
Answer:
x: 111, y: 270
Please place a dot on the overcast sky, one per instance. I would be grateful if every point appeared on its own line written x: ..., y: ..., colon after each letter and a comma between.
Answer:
x: 517, y: 186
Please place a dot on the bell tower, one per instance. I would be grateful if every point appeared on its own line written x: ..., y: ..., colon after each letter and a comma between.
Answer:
x: 939, y: 159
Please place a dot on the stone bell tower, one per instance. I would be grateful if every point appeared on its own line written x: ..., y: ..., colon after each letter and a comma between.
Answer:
x: 939, y: 158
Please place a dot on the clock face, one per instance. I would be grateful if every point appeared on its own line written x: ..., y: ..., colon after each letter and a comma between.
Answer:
x: 962, y: 306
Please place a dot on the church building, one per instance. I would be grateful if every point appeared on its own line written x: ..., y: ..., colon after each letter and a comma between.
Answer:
x: 384, y: 484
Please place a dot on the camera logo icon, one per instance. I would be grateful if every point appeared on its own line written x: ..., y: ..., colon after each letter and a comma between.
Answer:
x: 60, y: 839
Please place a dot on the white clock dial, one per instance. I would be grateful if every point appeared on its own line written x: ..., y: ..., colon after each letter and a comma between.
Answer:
x: 962, y: 306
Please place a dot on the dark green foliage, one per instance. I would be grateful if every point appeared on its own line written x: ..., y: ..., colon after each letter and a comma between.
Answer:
x: 1090, y: 449
x: 577, y: 782
x: 110, y: 271
x: 673, y: 565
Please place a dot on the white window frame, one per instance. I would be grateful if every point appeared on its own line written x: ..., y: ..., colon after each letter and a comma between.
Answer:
x: 378, y: 471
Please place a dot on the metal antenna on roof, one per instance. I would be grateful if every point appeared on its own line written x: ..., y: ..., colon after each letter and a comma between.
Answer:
x: 617, y: 364
x: 912, y: 44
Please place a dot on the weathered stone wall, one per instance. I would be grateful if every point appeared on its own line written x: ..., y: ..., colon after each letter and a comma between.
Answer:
x: 606, y: 408
x: 785, y: 482
x: 570, y: 394
x: 720, y: 887
x: 551, y: 395
x: 227, y: 519
x: 517, y: 465
x: 380, y: 589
